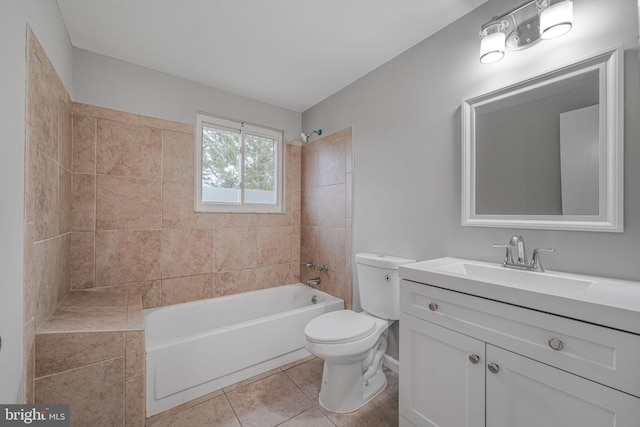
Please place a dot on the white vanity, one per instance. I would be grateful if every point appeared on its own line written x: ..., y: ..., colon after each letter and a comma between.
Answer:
x: 482, y: 345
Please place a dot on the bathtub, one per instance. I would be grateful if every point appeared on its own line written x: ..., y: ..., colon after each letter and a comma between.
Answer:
x: 199, y: 347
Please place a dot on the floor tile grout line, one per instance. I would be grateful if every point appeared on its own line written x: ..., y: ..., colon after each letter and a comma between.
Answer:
x: 224, y: 393
x: 316, y: 403
x: 303, y: 393
x: 280, y: 371
x: 297, y: 386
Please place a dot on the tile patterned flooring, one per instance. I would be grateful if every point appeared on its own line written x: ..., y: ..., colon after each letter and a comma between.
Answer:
x: 286, y: 397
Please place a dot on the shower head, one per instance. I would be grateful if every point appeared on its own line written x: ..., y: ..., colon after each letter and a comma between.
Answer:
x: 305, y: 136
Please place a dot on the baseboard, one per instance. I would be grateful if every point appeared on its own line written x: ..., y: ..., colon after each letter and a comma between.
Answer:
x: 391, y: 363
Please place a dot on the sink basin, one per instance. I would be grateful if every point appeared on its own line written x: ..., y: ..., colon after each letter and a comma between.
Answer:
x: 541, y: 282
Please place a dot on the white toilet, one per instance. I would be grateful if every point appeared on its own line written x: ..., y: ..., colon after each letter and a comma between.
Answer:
x: 353, y: 344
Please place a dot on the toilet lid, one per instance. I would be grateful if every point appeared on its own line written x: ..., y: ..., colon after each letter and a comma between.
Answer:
x: 339, y: 327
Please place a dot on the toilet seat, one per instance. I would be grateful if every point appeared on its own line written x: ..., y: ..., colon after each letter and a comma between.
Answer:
x: 338, y: 327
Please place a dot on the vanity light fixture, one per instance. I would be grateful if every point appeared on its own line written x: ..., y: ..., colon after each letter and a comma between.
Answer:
x: 523, y: 26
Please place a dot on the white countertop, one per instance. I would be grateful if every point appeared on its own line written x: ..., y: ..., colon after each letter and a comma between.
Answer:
x: 608, y: 302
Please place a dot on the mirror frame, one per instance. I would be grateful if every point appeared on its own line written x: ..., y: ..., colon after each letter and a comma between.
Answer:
x: 610, y: 67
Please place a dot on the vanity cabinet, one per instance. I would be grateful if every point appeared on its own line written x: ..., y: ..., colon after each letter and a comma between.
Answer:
x: 467, y: 361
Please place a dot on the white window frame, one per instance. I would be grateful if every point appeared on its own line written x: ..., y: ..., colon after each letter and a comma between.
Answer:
x: 241, y: 127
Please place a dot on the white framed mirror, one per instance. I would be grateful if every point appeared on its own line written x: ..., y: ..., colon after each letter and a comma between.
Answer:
x: 547, y: 152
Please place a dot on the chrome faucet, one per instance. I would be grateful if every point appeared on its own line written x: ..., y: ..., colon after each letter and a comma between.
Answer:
x: 518, y: 242
x: 313, y: 282
x: 521, y: 262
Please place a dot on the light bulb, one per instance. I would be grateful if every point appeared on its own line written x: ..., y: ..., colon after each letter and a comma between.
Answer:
x: 556, y: 20
x: 492, y: 47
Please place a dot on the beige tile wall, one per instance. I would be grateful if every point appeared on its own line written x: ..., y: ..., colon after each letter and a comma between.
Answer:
x: 134, y: 226
x: 47, y: 198
x: 326, y: 232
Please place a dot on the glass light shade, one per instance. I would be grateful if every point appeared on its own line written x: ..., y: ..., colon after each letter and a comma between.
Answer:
x: 556, y: 20
x: 492, y: 47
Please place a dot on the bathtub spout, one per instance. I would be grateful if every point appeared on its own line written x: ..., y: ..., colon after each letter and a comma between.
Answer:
x: 313, y: 282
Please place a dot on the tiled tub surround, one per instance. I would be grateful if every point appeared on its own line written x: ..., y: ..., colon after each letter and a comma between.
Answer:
x: 327, y: 212
x: 90, y: 354
x: 134, y: 225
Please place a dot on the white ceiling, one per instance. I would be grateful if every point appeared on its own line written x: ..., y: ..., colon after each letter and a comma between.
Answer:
x: 288, y: 53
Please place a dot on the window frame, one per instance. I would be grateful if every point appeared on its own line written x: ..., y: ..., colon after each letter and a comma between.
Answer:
x: 203, y: 119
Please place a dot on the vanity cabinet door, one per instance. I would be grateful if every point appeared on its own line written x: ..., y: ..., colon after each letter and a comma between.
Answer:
x: 441, y: 376
x: 524, y: 393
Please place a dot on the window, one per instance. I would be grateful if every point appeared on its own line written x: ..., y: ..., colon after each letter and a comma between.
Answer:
x: 239, y: 167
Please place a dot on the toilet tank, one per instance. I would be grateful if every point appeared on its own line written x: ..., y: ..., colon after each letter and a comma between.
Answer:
x: 379, y: 284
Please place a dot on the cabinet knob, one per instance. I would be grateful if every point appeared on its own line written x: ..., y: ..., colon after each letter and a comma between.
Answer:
x: 493, y: 368
x: 556, y: 344
x: 433, y: 306
x: 474, y: 358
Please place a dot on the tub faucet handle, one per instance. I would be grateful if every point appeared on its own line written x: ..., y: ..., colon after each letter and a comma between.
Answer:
x: 324, y: 268
x: 311, y: 264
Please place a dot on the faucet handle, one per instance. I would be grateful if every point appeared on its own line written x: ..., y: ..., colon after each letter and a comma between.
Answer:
x: 536, y: 264
x: 508, y: 257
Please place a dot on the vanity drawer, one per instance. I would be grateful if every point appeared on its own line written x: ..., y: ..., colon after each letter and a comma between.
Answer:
x: 604, y: 355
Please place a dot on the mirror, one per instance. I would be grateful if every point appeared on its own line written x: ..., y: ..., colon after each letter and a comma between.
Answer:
x: 547, y: 152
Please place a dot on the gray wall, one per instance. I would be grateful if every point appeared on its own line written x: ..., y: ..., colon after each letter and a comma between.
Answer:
x: 110, y: 83
x: 45, y: 20
x: 406, y: 121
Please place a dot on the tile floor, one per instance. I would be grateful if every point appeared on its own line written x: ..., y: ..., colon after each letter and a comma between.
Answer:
x: 287, y: 397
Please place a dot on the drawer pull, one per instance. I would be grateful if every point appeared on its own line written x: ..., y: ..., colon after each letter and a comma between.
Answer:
x: 474, y: 358
x: 493, y: 368
x: 433, y: 306
x: 556, y: 344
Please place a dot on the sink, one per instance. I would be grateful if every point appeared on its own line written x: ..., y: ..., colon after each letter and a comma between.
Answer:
x: 541, y: 282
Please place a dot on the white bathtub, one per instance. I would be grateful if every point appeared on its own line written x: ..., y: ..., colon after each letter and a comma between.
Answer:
x: 199, y: 347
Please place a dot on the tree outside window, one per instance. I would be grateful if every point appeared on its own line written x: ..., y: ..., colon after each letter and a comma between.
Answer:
x: 238, y: 166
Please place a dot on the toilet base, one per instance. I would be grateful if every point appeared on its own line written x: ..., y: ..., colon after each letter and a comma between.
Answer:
x: 344, y: 390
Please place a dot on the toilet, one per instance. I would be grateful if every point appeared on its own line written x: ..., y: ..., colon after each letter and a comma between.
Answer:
x: 353, y: 344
